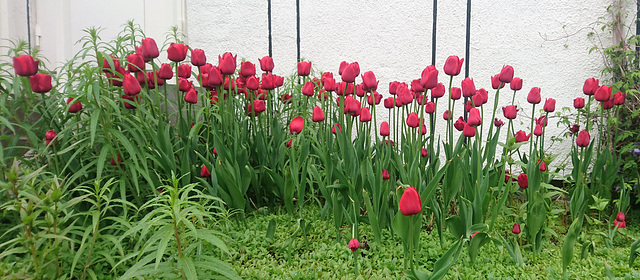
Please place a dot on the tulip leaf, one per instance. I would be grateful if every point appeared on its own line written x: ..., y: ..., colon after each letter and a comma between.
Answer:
x: 271, y: 230
x: 634, y: 251
x: 569, y: 242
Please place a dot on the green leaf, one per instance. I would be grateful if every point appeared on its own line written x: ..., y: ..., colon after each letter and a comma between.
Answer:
x: 569, y: 242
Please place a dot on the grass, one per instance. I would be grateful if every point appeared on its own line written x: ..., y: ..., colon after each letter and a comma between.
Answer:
x: 324, y: 255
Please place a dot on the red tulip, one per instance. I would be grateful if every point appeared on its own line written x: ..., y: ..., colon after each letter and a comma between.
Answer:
x: 389, y: 103
x: 507, y: 176
x: 198, y: 58
x: 304, y: 68
x: 50, y: 136
x: 429, y: 108
x: 543, y: 165
x: 413, y: 120
x: 318, y: 114
x: 135, y: 62
x: 288, y: 144
x: 75, y: 107
x: 429, y: 78
x: 24, y: 65
x: 474, y: 118
x: 227, y: 63
x: 456, y: 93
x: 516, y: 229
x: 410, y: 203
x: 247, y: 69
x: 523, y: 181
x: 497, y: 122
x: 495, y: 82
x: 620, y: 217
x: 369, y: 81
x: 365, y: 115
x: 184, y: 71
x: 542, y: 120
x: 468, y: 87
x: 113, y: 162
x: 393, y: 87
x: 578, y: 103
x: 385, y: 174
x: 453, y: 65
x: 459, y: 124
x: 40, y: 83
x: 253, y: 83
x: 191, y: 96
x: 279, y: 80
x: 329, y: 84
x: 214, y: 78
x: 384, y: 129
x: 184, y: 84
x: 510, y: 112
x: 165, y: 72
x: 618, y: 98
x: 424, y: 152
x: 266, y: 64
x: 521, y: 136
x: 550, y: 105
x: 622, y: 224
x: 438, y: 91
x: 603, y: 93
x: 590, y: 86
x: 204, y: 172
x: 178, y: 52
x: 350, y: 72
x: 534, y: 96
x: 354, y: 245
x: 537, y: 131
x: 516, y: 84
x: 468, y: 130
x: 333, y: 128
x: 268, y: 81
x: 583, y: 139
x: 416, y: 86
x: 447, y: 115
x: 132, y: 99
x: 286, y: 98
x: 574, y: 128
x: 506, y: 74
x: 374, y: 98
x: 149, y: 48
x: 607, y: 104
x: 296, y: 125
x: 259, y: 106
x: 343, y: 65
x: 309, y: 89
x: 130, y: 85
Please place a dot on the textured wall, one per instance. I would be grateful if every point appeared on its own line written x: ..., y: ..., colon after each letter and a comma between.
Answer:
x: 545, y: 41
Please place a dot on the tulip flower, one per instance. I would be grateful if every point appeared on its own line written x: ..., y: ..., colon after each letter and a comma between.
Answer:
x: 507, y: 176
x: 574, y: 128
x: 309, y: 89
x: 468, y: 87
x: 416, y: 86
x: 474, y: 118
x: 369, y: 81
x: 178, y: 52
x: 534, y: 96
x: 583, y: 139
x: 40, y: 83
x: 510, y: 112
x: 543, y: 165
x: 113, y: 162
x: 279, y: 80
x: 603, y: 93
x: 607, y: 104
x: 384, y: 129
x: 268, y: 81
x: 429, y: 78
x: 410, y: 203
x: 389, y: 103
x: 227, y: 63
x: 333, y: 128
x: 459, y: 124
x: 24, y: 65
x: 191, y: 96
x: 393, y: 87
x: 365, y: 115
x: 253, y: 83
x: 453, y: 65
x: 374, y: 98
x: 618, y: 98
x: 343, y: 65
x: 618, y: 224
x: 184, y: 84
x: 165, y: 72
x: 266, y: 64
x: 620, y: 217
x: 204, y: 172
x: 75, y: 107
x: 578, y: 103
x: 259, y: 106
x: 247, y: 69
x: 184, y: 71
x: 468, y: 130
x: 522, y: 136
x: 130, y: 85
x: 350, y: 72
x: 288, y: 144
x: 497, y: 122
x: 542, y: 120
x: 523, y: 181
x: 139, y: 52
x: 318, y: 114
x: 149, y: 48
x: 286, y: 98
x: 214, y: 79
x: 296, y: 125
x: 506, y: 74
x: 304, y: 68
x: 456, y: 93
x: 438, y: 91
x: 550, y: 105
x: 447, y: 115
x: 135, y: 62
x: 424, y: 152
x: 50, y: 136
x: 590, y: 86
x: 516, y: 84
x: 429, y: 107
x: 537, y: 131
x: 495, y: 82
x: 354, y: 245
x: 385, y: 174
x: 516, y: 229
x: 413, y: 120
x: 198, y: 58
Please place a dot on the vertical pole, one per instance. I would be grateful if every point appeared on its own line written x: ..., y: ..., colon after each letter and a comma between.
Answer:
x: 269, y: 19
x: 433, y: 52
x: 466, y: 52
x: 637, y: 26
x: 29, y: 26
x: 298, y: 27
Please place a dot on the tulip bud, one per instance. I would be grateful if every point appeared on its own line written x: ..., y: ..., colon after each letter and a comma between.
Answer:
x: 177, y: 52
x: 369, y: 81
x: 318, y: 114
x: 468, y: 130
x: 453, y: 65
x: 384, y: 129
x: 550, y: 105
x: 474, y: 118
x: 130, y: 85
x: 578, y: 103
x: 468, y: 87
x: 135, y: 62
x: 456, y: 93
x: 516, y: 84
x: 429, y: 78
x: 410, y: 203
x: 149, y: 48
x: 50, y: 136
x: 165, y: 72
x: 447, y: 115
x: 620, y: 217
x: 385, y: 174
x: 204, y: 172
x: 198, y: 58
x: 350, y: 72
x: 191, y: 96
x: 590, y: 86
x: 296, y: 125
x: 618, y: 98
x: 438, y: 91
x: 333, y: 128
x: 583, y: 139
x: 266, y: 64
x: 304, y: 68
x: 497, y: 122
x: 495, y: 82
x: 430, y: 108
x: 227, y: 63
x: 365, y: 115
x: 309, y: 89
x: 516, y: 229
x: 75, y: 107
x: 534, y: 96
x: 506, y: 74
x: 354, y: 245
x: 40, y: 83
x: 24, y: 65
x: 459, y: 124
x: 537, y: 131
x: 413, y: 120
x: 510, y: 112
x: 523, y: 181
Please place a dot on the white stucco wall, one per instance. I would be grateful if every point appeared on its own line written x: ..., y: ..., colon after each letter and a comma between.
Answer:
x: 545, y: 41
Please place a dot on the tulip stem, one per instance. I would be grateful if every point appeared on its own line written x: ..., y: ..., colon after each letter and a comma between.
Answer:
x: 533, y: 112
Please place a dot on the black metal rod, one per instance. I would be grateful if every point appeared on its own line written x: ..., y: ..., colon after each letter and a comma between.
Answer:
x: 298, y: 26
x: 29, y: 26
x: 466, y: 51
x: 433, y: 32
x: 638, y: 26
x: 270, y: 38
